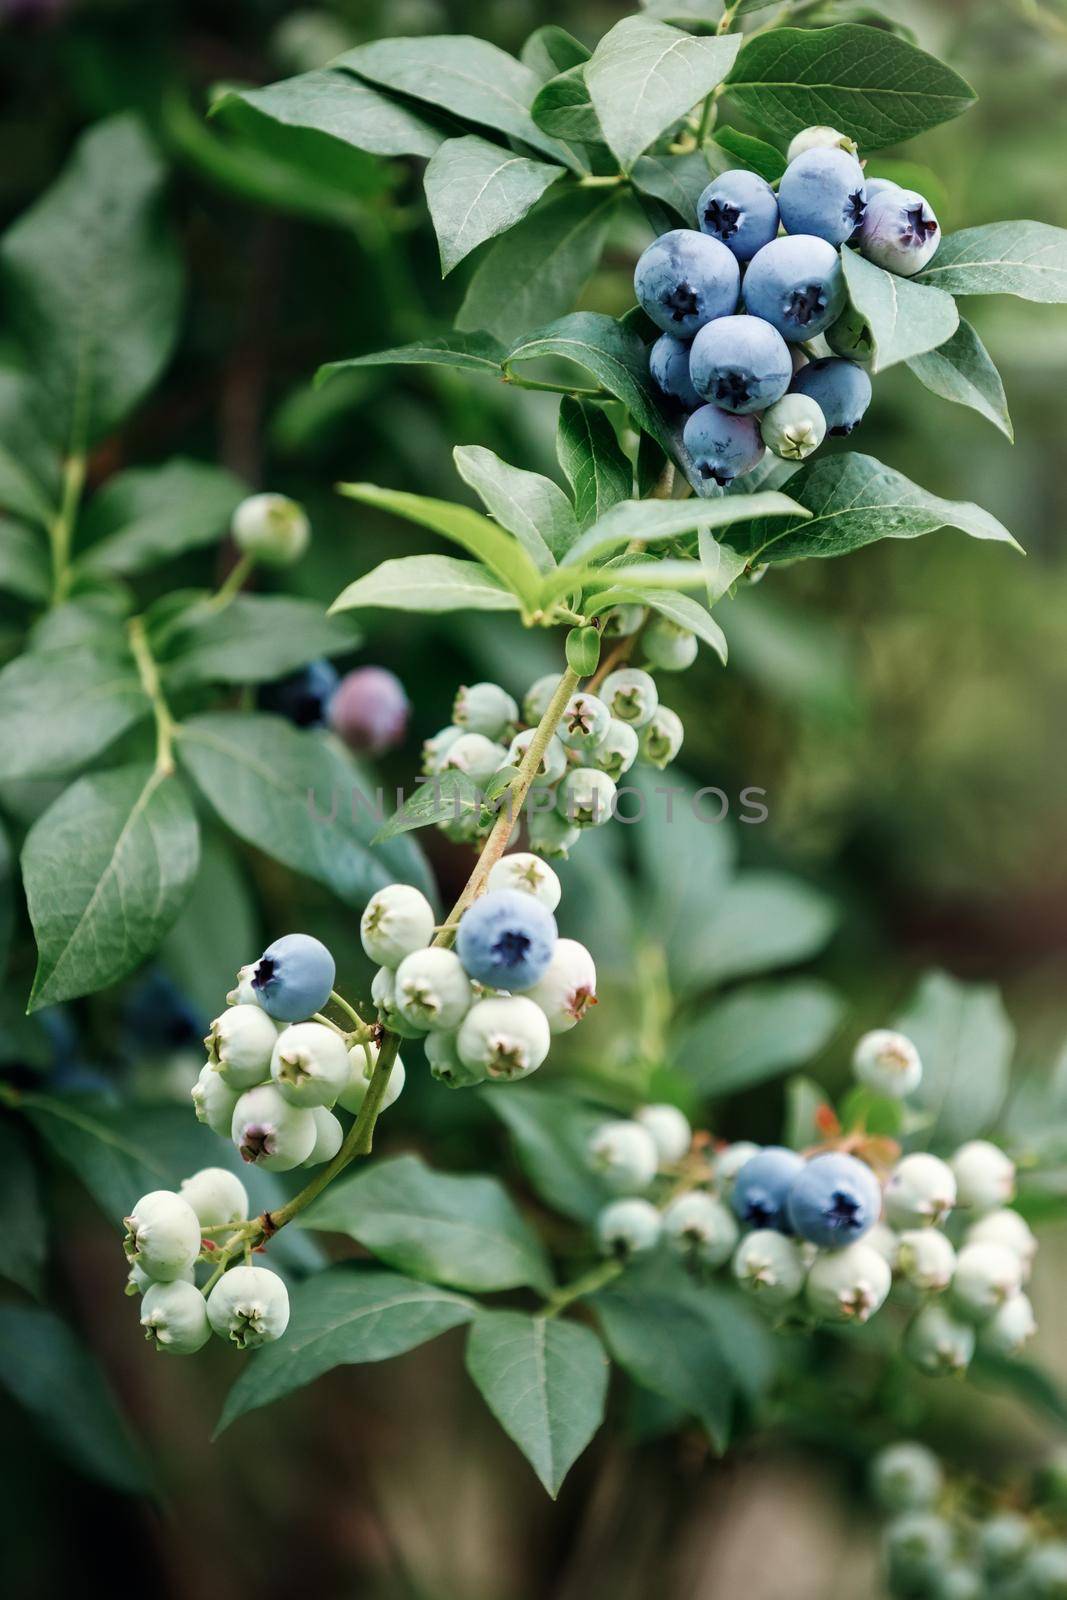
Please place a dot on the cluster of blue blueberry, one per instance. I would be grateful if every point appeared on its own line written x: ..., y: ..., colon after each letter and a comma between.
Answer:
x: 788, y: 368
x: 826, y: 1228
x: 599, y: 737
x: 945, y: 1542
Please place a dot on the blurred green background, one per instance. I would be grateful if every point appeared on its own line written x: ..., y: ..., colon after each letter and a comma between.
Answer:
x: 903, y: 709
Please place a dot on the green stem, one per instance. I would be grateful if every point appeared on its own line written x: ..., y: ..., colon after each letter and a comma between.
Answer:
x: 232, y: 584
x: 61, y: 531
x: 592, y: 182
x: 604, y: 1272
x: 556, y: 388
x: 350, y: 1012
x: 726, y: 21
x: 149, y: 675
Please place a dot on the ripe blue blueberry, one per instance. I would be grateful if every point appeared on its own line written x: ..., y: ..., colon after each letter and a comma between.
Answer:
x: 834, y: 1201
x: 370, y: 710
x: 722, y: 446
x: 303, y: 697
x: 761, y: 1189
x: 685, y: 279
x: 739, y: 209
x: 668, y: 362
x: 294, y: 977
x: 900, y: 232
x: 740, y: 364
x: 796, y: 285
x: 506, y: 940
x: 841, y: 389
x: 823, y: 193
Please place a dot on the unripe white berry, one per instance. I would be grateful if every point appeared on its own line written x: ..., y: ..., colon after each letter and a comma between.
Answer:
x: 919, y: 1192
x: 383, y: 993
x: 568, y: 987
x: 539, y: 697
x: 249, y: 1306
x: 432, y: 990
x: 888, y: 1063
x: 272, y: 528
x: 329, y: 1137
x: 553, y: 763
x: 622, y: 621
x: 242, y: 993
x: 527, y: 873
x: 926, y: 1259
x: 396, y: 921
x: 239, y: 1046
x: 270, y: 1132
x: 213, y: 1101
x: 887, y: 1243
x: 447, y: 1065
x: 670, y: 1130
x: 436, y: 748
x: 661, y: 737
x: 624, y: 1154
x: 770, y: 1267
x: 986, y: 1276
x: 586, y: 797
x: 985, y: 1176
x: 819, y: 137
x: 362, y: 1059
x: 617, y: 751
x: 310, y: 1064
x: 794, y: 427
x: 937, y: 1341
x: 668, y: 646
x: 506, y: 1036
x: 484, y: 708
x: 550, y: 834
x: 216, y: 1196
x: 1008, y: 1228
x: 162, y: 1235
x: 1010, y: 1328
x: 848, y: 1285
x: 584, y: 722
x: 728, y: 1164
x: 476, y: 756
x: 631, y: 695
x: 628, y: 1228
x: 906, y: 1477
x: 700, y: 1228
x: 138, y: 1280
x: 174, y: 1318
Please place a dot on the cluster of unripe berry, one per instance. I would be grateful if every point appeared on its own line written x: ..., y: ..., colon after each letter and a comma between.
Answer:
x: 948, y: 1541
x: 169, y: 1235
x: 788, y: 368
x: 825, y: 1233
x: 598, y: 738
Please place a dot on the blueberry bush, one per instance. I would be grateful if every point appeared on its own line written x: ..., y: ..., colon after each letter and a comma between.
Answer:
x: 156, y: 734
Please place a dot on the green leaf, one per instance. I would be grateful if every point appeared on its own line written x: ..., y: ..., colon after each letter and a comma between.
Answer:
x: 678, y: 181
x: 216, y: 930
x: 875, y: 86
x: 756, y: 154
x: 854, y: 500
x: 59, y: 708
x: 905, y: 319
x: 1028, y: 259
x: 150, y: 514
x: 23, y: 1238
x: 592, y: 459
x: 670, y: 1346
x: 545, y: 1382
x: 762, y: 920
x: 300, y: 798
x: 563, y: 108
x: 644, y: 76
x: 551, y: 1132
x: 55, y: 1378
x: 756, y: 1033
x: 24, y: 569
x: 106, y: 869
x: 29, y: 467
x: 540, y: 267
x: 447, y: 797
x: 96, y: 617
x: 7, y: 897
x: 476, y: 189
x: 469, y: 77
x: 342, y: 1317
x: 530, y: 506
x: 804, y: 1099
x: 502, y: 554
x: 550, y: 49
x: 94, y: 282
x: 427, y: 583
x: 460, y: 1231
x: 962, y: 370
x: 468, y: 352
x: 965, y: 1039
x: 647, y: 521
x: 255, y: 638
x: 337, y: 106
x: 679, y: 608
x: 722, y: 566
